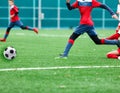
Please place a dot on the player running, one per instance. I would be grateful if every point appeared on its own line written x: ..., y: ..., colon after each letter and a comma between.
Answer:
x: 86, y: 24
x: 15, y: 20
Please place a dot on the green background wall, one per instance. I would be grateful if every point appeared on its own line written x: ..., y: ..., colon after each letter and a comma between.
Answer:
x: 49, y: 8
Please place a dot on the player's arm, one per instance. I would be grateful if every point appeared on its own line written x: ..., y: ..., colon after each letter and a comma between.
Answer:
x: 16, y: 11
x: 109, y: 10
x: 73, y: 6
x: 11, y: 16
x: 68, y: 5
x: 95, y: 3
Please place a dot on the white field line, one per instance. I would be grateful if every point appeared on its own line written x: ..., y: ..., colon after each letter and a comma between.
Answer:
x: 55, y: 68
x: 44, y: 35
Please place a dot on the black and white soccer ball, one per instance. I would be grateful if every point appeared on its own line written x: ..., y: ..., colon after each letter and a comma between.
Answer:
x: 9, y: 53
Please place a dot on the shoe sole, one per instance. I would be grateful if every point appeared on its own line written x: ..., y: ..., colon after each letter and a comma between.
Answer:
x: 60, y: 57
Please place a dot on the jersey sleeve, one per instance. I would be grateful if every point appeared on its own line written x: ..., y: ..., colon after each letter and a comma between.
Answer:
x: 16, y: 9
x: 75, y: 4
x: 95, y: 3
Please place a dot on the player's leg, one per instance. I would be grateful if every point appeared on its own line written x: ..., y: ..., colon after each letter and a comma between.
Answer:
x: 114, y: 54
x: 78, y: 31
x: 70, y: 43
x: 20, y: 24
x: 11, y: 25
x: 116, y: 35
x: 29, y: 28
x: 104, y: 41
x: 98, y: 41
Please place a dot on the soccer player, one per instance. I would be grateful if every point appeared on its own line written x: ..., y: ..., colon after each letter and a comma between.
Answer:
x: 86, y: 24
x: 116, y: 53
x: 15, y: 20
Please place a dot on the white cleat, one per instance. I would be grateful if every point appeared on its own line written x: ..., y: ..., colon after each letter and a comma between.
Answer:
x: 118, y: 57
x: 61, y: 56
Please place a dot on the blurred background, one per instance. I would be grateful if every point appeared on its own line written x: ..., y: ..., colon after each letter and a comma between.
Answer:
x: 54, y: 14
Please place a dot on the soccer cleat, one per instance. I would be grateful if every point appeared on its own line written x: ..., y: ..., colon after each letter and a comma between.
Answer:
x: 35, y: 30
x: 2, y: 40
x: 61, y: 56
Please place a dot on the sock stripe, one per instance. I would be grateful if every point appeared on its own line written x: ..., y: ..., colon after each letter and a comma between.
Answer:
x: 7, y: 33
x: 71, y: 41
x: 27, y: 27
x: 102, y: 41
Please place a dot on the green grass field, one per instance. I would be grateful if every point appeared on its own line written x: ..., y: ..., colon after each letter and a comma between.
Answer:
x: 39, y: 51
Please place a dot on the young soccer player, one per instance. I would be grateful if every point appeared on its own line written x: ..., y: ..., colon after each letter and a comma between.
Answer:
x: 15, y: 20
x: 116, y: 53
x: 86, y: 24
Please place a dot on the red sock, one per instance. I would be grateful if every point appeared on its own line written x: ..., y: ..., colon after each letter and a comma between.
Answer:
x: 114, y: 36
x: 112, y: 56
x: 71, y: 41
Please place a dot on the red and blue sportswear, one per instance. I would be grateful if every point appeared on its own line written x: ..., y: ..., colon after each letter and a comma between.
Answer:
x: 85, y: 8
x: 14, y: 11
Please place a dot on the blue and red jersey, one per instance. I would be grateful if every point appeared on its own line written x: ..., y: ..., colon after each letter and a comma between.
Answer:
x: 14, y: 11
x: 85, y: 8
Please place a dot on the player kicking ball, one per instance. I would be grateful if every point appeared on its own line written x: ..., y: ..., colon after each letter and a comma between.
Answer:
x: 15, y: 21
x: 86, y: 24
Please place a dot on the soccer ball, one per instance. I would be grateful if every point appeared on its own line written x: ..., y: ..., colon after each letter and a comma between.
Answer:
x: 9, y: 53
